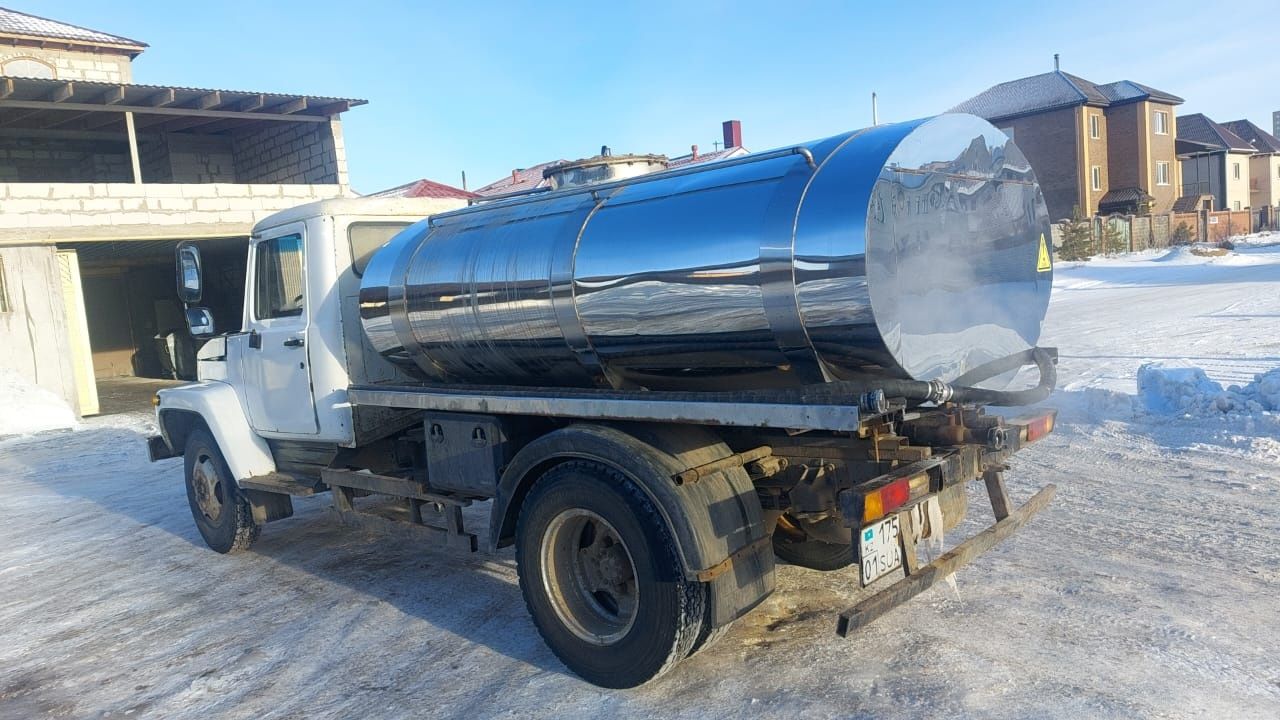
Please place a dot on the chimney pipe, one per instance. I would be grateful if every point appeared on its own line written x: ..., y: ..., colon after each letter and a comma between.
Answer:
x: 732, y: 134
x: 464, y: 179
x: 875, y: 112
x: 515, y: 176
x: 1055, y: 62
x: 693, y: 150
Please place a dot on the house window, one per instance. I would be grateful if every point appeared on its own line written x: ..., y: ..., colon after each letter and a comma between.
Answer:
x: 1162, y: 122
x: 4, y: 291
x: 1235, y: 205
x: 1162, y: 173
x: 1235, y: 170
x: 28, y: 67
x: 1094, y: 131
x: 1095, y: 173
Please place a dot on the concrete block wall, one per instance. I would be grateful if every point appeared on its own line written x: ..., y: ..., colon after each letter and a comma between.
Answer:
x: 292, y: 153
x: 66, y: 64
x: 29, y: 159
x: 124, y: 211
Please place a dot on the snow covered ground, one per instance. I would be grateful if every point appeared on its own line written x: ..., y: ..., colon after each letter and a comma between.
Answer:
x: 1147, y: 589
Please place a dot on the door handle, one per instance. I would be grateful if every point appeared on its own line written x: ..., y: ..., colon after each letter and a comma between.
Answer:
x: 295, y: 342
x: 255, y: 340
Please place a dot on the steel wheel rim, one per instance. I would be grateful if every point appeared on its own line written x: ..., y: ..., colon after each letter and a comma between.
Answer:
x: 589, y: 576
x: 208, y: 488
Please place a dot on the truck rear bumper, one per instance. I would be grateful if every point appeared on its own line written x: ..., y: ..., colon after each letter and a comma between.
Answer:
x: 924, y: 577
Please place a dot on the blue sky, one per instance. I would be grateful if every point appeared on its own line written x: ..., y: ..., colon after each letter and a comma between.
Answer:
x: 489, y: 86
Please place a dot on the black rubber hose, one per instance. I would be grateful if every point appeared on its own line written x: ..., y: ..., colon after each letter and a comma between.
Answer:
x: 939, y: 392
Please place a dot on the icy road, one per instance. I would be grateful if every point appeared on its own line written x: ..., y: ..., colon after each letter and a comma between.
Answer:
x: 1149, y: 588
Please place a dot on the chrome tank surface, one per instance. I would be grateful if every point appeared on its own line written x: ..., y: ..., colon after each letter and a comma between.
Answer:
x: 908, y: 250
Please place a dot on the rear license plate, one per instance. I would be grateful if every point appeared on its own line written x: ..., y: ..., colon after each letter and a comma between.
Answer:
x: 879, y: 549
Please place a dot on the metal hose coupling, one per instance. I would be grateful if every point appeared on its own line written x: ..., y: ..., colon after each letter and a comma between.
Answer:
x: 939, y: 392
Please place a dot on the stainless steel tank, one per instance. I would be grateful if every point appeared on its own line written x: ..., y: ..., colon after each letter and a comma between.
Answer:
x: 909, y: 250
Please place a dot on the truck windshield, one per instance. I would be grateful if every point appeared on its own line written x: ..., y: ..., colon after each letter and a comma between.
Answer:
x: 366, y: 238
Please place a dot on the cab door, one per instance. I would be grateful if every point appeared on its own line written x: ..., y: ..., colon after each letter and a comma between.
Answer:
x: 276, y: 367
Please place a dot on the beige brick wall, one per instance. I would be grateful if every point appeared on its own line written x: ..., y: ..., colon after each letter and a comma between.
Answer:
x: 1160, y: 148
x: 1237, y: 188
x: 54, y: 159
x: 1097, y: 157
x: 1264, y: 180
x: 99, y: 211
x: 66, y: 64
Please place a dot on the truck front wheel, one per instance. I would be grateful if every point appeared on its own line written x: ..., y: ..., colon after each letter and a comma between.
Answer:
x: 222, y: 513
x: 602, y: 577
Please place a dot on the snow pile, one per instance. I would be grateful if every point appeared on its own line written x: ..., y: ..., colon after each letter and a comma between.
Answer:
x: 27, y: 408
x: 1186, y: 390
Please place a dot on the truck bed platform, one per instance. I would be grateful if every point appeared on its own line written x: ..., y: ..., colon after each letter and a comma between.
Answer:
x: 803, y: 408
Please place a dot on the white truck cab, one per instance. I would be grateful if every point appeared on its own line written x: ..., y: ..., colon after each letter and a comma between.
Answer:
x: 299, y: 337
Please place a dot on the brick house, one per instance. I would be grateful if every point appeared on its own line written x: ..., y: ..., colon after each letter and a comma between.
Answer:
x: 1101, y: 148
x: 100, y: 178
x: 1215, y: 163
x: 1264, y: 163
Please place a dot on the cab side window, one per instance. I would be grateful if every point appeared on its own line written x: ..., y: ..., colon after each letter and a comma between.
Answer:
x: 279, y: 281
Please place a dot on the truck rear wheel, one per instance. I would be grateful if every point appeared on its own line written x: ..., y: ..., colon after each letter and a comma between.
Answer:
x: 602, y: 578
x: 221, y: 511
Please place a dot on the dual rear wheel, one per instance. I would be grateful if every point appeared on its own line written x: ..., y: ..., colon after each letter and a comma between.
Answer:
x: 602, y: 577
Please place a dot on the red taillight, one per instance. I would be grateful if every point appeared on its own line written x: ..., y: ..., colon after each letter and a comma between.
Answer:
x: 895, y: 494
x: 1039, y: 427
x: 887, y: 498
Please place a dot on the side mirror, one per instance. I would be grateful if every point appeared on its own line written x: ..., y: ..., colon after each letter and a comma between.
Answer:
x: 190, y: 285
x: 200, y: 322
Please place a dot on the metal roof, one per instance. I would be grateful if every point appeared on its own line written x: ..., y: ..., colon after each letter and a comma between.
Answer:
x: 424, y: 188
x: 520, y: 180
x: 1261, y: 140
x: 41, y: 103
x: 1200, y: 130
x: 25, y: 25
x: 1128, y: 90
x: 1054, y: 91
x: 720, y: 154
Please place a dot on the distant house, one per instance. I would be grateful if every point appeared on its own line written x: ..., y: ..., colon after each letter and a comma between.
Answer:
x: 1101, y: 148
x: 1215, y: 163
x: 531, y: 178
x: 1264, y: 164
x: 425, y: 188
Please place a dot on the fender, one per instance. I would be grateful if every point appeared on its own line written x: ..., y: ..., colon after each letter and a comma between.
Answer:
x: 716, y: 522
x: 217, y: 404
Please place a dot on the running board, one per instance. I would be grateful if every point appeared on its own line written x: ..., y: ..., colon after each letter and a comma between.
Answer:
x: 927, y: 576
x: 346, y: 484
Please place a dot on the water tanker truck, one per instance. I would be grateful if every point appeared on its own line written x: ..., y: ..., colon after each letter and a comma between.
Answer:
x: 659, y: 382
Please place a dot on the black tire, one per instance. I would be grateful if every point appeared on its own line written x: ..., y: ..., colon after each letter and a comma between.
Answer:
x: 812, y: 554
x: 668, y: 611
x: 229, y: 528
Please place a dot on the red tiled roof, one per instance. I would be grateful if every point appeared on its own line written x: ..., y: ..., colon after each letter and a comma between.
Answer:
x: 425, y: 189
x: 520, y: 180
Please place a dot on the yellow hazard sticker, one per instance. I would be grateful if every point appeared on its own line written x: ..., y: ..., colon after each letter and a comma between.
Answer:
x: 1043, y: 263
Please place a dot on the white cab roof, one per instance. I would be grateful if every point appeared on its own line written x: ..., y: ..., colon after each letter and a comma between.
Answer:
x: 408, y: 208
